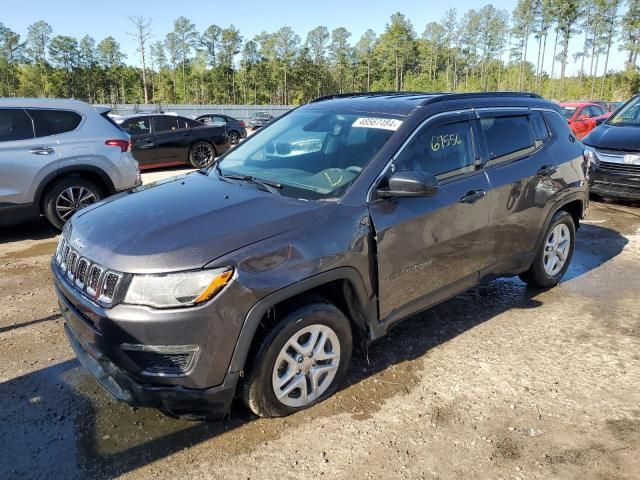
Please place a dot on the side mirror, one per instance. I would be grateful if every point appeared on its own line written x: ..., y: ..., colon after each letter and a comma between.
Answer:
x: 410, y: 183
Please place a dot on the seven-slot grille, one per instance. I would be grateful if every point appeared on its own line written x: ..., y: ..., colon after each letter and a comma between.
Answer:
x: 97, y: 282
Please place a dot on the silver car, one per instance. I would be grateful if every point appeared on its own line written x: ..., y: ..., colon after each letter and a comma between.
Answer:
x: 58, y: 156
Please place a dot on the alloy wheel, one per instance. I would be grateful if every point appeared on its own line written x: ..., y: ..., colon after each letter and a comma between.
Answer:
x: 234, y: 138
x: 306, y: 366
x: 73, y: 199
x: 202, y: 155
x: 556, y: 249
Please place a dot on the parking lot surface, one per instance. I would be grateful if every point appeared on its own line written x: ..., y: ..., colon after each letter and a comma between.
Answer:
x: 499, y: 382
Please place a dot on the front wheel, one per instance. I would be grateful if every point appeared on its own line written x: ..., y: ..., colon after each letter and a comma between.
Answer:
x: 202, y: 154
x: 302, y: 361
x: 554, y: 254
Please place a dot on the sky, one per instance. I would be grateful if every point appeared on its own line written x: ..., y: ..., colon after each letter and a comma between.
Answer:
x: 111, y: 17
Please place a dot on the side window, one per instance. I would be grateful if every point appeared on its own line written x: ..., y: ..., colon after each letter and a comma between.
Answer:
x: 137, y: 126
x: 597, y: 111
x: 217, y: 119
x: 193, y: 123
x: 539, y: 127
x: 507, y: 137
x: 54, y: 122
x: 586, y: 112
x: 443, y: 150
x: 15, y: 124
x: 183, y: 123
x: 165, y: 124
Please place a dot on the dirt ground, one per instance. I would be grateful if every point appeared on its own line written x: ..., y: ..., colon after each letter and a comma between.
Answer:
x: 499, y: 382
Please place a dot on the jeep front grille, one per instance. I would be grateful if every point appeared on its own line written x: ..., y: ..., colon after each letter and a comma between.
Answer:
x: 92, y: 279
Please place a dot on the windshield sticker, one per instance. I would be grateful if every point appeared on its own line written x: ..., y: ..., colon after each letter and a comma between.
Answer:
x: 382, y: 123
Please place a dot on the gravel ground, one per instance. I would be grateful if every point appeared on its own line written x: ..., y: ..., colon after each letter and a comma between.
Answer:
x: 499, y: 382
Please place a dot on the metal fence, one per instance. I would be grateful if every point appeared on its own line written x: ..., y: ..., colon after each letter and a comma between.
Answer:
x: 241, y: 112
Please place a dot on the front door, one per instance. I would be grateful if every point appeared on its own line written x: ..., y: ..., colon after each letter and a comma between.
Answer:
x: 142, y: 144
x: 430, y: 248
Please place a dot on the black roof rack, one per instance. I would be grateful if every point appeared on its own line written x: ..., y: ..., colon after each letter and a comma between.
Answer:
x: 433, y: 96
x: 371, y: 94
x: 457, y: 96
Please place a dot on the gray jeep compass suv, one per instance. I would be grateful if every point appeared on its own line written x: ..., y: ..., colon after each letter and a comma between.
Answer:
x: 57, y: 156
x: 341, y: 218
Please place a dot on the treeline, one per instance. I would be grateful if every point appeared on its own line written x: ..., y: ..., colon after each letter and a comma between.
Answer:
x: 485, y: 49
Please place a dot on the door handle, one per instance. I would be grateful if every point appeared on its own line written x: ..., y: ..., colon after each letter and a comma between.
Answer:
x: 42, y: 151
x: 547, y: 171
x: 473, y: 196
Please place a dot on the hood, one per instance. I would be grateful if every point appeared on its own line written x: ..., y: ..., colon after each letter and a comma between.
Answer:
x: 610, y: 137
x: 183, y: 223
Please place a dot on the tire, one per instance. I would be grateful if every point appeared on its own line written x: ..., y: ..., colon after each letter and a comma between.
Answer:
x: 234, y: 138
x: 67, y: 196
x: 202, y: 154
x: 544, y: 273
x: 274, y: 364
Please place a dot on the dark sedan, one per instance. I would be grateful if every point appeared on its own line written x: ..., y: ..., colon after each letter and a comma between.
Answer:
x: 166, y: 140
x: 613, y: 149
x: 235, y: 128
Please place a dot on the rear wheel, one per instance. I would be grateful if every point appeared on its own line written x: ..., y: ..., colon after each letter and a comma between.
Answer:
x: 302, y: 361
x: 202, y: 154
x: 67, y: 196
x: 234, y: 138
x: 554, y: 255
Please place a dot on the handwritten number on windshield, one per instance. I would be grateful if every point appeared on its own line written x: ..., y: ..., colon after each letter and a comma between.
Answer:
x: 441, y: 142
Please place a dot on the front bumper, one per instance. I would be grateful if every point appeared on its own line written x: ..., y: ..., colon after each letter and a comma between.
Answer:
x: 624, y: 186
x: 176, y: 400
x: 99, y: 337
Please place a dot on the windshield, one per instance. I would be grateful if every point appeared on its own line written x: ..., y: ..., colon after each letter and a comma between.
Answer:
x: 311, y: 153
x: 629, y: 115
x: 568, y: 112
x: 261, y: 115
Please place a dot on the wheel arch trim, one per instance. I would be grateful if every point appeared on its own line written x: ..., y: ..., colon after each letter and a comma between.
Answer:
x: 48, y: 180
x: 557, y: 207
x: 257, y: 312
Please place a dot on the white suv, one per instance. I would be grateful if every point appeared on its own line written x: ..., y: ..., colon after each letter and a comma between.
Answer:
x: 57, y: 156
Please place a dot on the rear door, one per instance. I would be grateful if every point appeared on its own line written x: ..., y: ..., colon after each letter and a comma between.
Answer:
x: 522, y: 173
x: 173, y: 138
x: 142, y: 142
x: 57, y: 127
x: 24, y: 159
x: 431, y: 248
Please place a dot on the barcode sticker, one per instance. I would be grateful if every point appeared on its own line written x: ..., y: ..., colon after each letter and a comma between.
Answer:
x: 383, y: 123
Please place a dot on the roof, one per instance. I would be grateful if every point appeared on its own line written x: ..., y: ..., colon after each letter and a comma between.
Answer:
x: 403, y: 103
x: 45, y: 103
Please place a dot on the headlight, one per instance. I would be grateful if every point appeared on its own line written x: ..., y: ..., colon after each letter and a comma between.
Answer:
x: 177, y: 289
x: 591, y: 156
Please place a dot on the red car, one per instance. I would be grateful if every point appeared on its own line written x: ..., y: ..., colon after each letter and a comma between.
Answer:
x: 583, y: 116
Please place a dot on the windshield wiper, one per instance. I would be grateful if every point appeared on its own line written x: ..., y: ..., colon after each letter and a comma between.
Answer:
x: 266, y: 185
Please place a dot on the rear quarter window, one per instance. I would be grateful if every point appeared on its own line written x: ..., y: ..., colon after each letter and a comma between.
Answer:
x: 539, y: 127
x: 54, y: 122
